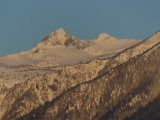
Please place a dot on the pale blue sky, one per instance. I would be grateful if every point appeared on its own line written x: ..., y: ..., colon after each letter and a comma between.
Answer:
x: 23, y: 23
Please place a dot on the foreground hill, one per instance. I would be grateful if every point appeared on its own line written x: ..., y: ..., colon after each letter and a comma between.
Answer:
x: 123, y: 84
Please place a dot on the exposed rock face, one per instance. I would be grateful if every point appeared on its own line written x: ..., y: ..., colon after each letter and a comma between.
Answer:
x: 124, y: 86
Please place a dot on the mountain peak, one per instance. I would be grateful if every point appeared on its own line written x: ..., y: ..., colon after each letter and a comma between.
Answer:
x: 60, y: 31
x: 58, y: 36
x: 103, y: 36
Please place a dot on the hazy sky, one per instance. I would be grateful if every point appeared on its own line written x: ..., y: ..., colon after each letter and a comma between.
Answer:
x: 23, y: 23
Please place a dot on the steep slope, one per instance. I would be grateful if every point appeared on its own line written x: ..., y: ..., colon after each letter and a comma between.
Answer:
x: 113, y: 88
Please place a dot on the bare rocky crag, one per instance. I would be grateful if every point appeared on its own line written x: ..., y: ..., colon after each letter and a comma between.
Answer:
x: 125, y: 86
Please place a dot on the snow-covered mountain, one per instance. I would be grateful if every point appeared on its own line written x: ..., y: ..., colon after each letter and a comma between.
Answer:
x: 62, y: 46
x: 56, y: 50
x: 66, y: 78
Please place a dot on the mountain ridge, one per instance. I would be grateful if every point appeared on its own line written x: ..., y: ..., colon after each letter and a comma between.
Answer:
x: 51, y: 45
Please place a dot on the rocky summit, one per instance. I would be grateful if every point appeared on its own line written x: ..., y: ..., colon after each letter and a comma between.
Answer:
x: 64, y: 78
